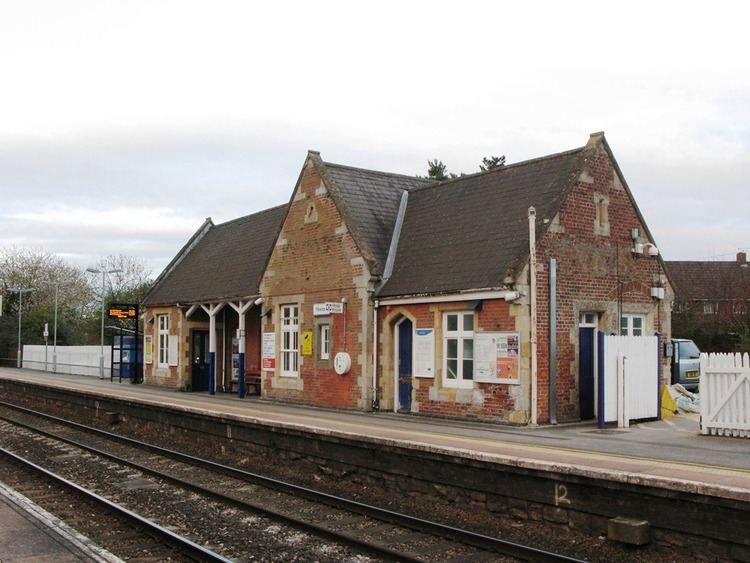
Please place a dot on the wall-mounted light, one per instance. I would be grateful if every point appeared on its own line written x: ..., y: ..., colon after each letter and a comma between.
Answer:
x: 634, y: 233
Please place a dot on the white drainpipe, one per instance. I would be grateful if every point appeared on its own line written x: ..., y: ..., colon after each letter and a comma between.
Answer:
x: 532, y: 284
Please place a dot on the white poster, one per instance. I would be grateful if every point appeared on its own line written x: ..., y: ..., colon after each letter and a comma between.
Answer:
x: 269, y: 351
x: 485, y: 346
x: 424, y: 352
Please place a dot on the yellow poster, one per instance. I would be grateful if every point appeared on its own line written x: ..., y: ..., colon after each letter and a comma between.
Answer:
x: 307, y: 342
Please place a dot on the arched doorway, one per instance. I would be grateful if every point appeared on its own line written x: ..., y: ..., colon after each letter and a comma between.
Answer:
x: 403, y: 361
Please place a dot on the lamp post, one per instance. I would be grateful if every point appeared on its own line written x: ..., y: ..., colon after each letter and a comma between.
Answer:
x: 54, y: 334
x: 104, y: 281
x: 20, y: 291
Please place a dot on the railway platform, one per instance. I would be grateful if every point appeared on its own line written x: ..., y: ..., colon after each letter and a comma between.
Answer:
x: 574, y: 477
x: 29, y: 533
x: 669, y: 453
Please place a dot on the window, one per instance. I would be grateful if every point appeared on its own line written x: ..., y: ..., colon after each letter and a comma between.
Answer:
x: 290, y: 340
x: 163, y: 328
x: 458, y: 349
x: 710, y: 308
x: 588, y: 319
x: 739, y: 308
x: 325, y: 342
x: 632, y: 325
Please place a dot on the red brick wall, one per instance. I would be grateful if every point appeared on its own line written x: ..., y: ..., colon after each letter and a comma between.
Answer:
x: 317, y: 261
x: 590, y: 268
x: 494, y: 401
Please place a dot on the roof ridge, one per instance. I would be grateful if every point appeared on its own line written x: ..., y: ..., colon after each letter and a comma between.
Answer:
x: 274, y: 208
x: 380, y: 172
x: 503, y: 168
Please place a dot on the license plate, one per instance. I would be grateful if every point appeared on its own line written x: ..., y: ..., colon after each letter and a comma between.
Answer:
x: 692, y: 374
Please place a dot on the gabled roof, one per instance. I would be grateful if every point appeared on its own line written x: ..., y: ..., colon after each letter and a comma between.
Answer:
x: 712, y: 281
x: 226, y: 262
x: 470, y: 232
x: 368, y: 201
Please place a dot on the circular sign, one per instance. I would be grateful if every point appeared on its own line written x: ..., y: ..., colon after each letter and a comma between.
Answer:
x: 342, y: 363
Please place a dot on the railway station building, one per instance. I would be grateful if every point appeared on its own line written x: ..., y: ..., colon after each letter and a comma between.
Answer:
x: 477, y: 297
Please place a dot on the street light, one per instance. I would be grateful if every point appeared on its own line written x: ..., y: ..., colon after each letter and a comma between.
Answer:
x: 20, y: 291
x: 54, y: 341
x: 104, y: 281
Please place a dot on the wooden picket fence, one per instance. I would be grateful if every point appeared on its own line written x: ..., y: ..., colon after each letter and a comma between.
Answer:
x: 725, y: 394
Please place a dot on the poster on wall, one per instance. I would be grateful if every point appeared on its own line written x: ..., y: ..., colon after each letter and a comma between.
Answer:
x: 497, y: 357
x: 307, y: 342
x: 235, y: 359
x: 148, y: 349
x: 269, y: 351
x: 424, y: 352
x: 508, y: 356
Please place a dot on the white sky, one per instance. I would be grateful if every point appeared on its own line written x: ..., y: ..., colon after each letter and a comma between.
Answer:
x: 124, y: 124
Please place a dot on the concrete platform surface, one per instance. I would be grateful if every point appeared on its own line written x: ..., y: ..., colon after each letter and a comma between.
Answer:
x: 30, y: 534
x: 668, y: 454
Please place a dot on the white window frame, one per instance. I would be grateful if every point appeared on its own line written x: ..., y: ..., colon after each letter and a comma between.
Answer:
x: 460, y: 335
x: 324, y: 338
x: 162, y: 328
x: 710, y: 307
x: 627, y: 325
x: 289, y: 320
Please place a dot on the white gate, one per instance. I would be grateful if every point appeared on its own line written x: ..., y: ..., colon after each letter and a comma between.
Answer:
x: 725, y: 394
x: 631, y: 378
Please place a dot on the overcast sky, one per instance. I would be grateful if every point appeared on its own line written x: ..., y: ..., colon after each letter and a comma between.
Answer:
x: 123, y: 125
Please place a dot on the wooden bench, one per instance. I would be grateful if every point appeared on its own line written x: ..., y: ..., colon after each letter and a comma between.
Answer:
x: 252, y: 383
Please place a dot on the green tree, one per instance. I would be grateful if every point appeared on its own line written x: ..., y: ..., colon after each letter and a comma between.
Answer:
x: 436, y: 170
x: 492, y: 162
x: 41, y: 271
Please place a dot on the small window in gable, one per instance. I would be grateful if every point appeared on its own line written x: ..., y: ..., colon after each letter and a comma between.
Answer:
x: 311, y: 215
x: 601, y: 222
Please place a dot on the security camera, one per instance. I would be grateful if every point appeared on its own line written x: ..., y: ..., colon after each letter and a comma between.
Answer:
x: 653, y: 251
x: 258, y: 301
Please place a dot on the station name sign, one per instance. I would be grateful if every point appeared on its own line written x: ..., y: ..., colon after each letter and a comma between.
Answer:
x: 321, y: 309
x: 121, y: 311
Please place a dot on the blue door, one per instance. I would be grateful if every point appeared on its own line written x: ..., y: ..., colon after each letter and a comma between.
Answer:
x: 404, y: 366
x: 586, y: 371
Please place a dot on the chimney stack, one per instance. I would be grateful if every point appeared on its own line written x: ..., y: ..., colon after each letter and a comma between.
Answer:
x: 742, y: 258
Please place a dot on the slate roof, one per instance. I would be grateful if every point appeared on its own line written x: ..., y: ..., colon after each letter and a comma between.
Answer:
x: 372, y: 200
x: 227, y: 262
x: 469, y: 232
x: 714, y: 281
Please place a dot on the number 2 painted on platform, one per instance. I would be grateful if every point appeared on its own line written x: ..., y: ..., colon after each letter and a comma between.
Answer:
x: 561, y: 494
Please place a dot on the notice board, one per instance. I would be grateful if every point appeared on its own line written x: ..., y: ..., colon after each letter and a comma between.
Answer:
x: 497, y: 357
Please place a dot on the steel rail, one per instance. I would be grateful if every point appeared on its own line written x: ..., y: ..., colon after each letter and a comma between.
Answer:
x: 460, y: 535
x: 191, y: 549
x: 304, y: 525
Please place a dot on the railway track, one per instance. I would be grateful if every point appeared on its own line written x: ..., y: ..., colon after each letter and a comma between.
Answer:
x: 133, y: 536
x: 363, y: 530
